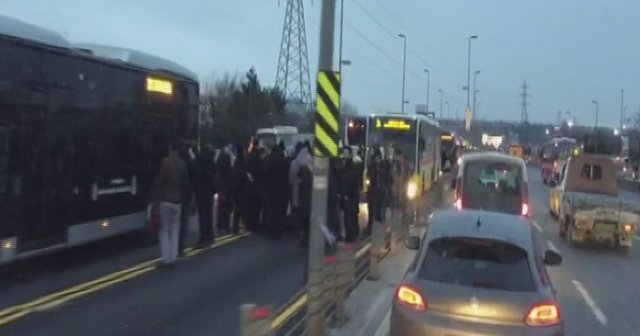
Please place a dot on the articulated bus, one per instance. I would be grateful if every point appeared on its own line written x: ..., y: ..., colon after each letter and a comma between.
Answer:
x: 417, y: 139
x: 83, y: 129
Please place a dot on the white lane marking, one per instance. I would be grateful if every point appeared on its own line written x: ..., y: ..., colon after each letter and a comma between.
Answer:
x: 551, y: 246
x: 537, y: 226
x: 587, y: 298
x: 383, y: 329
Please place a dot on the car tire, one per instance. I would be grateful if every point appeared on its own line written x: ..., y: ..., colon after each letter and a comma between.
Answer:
x: 562, y: 229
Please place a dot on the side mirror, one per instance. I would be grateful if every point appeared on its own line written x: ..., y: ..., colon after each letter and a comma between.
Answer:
x: 412, y: 243
x: 552, y: 258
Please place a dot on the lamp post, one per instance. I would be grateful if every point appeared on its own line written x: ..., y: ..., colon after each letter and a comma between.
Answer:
x: 472, y: 37
x: 440, y: 91
x: 475, y: 77
x: 447, y: 102
x: 428, y: 86
x: 404, y: 69
x: 596, y: 103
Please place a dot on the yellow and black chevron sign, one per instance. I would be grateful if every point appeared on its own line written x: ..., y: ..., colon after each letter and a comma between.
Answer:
x: 327, y: 114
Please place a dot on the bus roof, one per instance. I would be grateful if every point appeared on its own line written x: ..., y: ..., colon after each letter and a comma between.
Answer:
x: 137, y: 58
x: 27, y: 32
x: 19, y: 29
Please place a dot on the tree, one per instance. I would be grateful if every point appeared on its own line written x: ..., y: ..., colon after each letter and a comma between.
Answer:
x: 236, y: 108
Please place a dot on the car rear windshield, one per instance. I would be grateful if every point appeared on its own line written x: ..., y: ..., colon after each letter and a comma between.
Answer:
x: 477, y: 263
x: 492, y: 185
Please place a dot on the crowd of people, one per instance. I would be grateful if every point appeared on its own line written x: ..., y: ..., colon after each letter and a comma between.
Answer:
x: 263, y: 190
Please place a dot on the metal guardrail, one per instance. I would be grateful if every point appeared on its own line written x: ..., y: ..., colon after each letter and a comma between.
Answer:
x: 289, y: 319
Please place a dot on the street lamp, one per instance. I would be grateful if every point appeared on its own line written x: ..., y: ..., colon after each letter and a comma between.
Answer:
x: 404, y: 69
x: 428, y: 84
x: 475, y: 76
x: 447, y: 102
x: 440, y: 91
x: 472, y: 37
x: 596, y: 103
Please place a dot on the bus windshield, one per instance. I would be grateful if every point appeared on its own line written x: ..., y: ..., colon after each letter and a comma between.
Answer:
x: 398, y: 136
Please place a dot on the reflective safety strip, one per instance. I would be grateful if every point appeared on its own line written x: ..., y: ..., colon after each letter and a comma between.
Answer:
x: 327, y: 115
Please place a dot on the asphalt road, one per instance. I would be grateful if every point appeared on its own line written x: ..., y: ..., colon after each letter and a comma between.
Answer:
x: 597, y: 286
x: 197, y: 296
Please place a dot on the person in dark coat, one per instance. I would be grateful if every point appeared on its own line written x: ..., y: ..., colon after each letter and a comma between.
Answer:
x: 224, y: 172
x: 255, y: 187
x: 305, y: 174
x: 188, y: 202
x: 276, y: 187
x: 350, y: 194
x: 334, y: 198
x: 204, y: 187
x: 239, y: 183
x: 377, y: 188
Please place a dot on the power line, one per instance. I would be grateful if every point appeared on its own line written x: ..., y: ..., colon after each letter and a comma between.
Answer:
x: 366, y: 39
x: 374, y: 19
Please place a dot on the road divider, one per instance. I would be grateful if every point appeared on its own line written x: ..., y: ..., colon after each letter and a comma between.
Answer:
x: 13, y: 313
x: 591, y: 303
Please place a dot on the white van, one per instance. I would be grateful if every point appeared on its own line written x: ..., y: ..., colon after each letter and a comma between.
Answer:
x: 268, y: 137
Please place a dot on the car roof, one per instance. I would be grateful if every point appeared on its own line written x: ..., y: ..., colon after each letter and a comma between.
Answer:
x: 492, y: 225
x: 494, y: 156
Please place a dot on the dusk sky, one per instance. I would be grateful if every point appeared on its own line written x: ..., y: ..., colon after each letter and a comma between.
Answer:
x: 570, y: 52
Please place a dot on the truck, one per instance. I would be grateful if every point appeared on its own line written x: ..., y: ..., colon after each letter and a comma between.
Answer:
x: 588, y: 205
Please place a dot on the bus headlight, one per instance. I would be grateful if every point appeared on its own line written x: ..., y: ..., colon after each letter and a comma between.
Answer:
x: 412, y: 190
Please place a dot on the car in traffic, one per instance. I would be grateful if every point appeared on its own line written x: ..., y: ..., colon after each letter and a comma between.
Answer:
x: 588, y: 205
x: 493, y: 182
x: 477, y: 273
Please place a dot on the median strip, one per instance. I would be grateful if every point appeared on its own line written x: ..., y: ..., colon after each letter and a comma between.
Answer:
x: 16, y: 312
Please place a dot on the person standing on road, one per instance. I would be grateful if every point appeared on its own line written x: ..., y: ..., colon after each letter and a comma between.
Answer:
x: 172, y: 184
x: 224, y: 165
x: 305, y: 174
x: 255, y: 188
x: 188, y: 202
x: 239, y: 182
x: 350, y: 193
x: 203, y: 182
x: 303, y: 159
x: 276, y: 178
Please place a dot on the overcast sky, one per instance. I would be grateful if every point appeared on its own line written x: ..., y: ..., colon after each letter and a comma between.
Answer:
x: 569, y: 51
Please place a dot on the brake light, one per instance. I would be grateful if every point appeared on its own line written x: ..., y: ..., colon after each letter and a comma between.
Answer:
x: 525, y: 209
x: 458, y: 204
x: 411, y: 298
x: 546, y: 313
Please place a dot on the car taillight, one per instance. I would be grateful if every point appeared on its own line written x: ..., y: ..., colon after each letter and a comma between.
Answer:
x: 411, y: 298
x: 524, y: 210
x: 546, y: 313
x: 458, y: 194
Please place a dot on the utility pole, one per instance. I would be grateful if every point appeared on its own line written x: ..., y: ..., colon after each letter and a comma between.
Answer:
x: 475, y: 91
x: 325, y: 146
x: 621, y: 108
x: 524, y: 116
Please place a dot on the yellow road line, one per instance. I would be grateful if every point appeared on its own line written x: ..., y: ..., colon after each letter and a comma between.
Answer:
x: 290, y: 311
x: 35, y: 308
x: 363, y: 250
x: 46, y: 302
